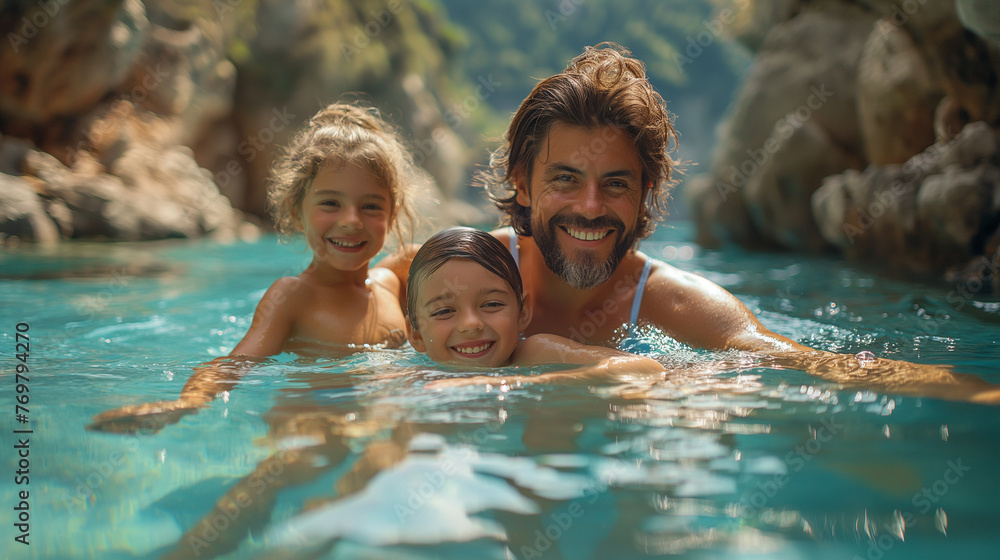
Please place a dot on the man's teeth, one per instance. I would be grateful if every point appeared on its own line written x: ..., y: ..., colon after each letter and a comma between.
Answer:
x: 587, y: 235
x: 346, y: 243
x: 474, y: 349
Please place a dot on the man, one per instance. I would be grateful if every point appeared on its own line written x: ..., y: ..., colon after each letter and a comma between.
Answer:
x: 583, y: 176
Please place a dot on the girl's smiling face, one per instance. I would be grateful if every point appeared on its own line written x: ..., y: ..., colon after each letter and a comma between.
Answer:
x: 466, y: 315
x: 345, y: 216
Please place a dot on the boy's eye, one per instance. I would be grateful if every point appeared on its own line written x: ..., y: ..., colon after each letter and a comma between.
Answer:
x: 494, y: 304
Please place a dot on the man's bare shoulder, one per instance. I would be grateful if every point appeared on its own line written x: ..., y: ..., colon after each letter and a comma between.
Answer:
x: 693, y: 309
x: 385, y: 278
x: 503, y: 234
x: 681, y: 286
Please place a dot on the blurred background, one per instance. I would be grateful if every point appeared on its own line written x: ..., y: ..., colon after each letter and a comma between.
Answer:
x: 866, y: 127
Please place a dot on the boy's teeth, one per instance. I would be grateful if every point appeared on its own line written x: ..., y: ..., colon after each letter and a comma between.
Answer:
x: 474, y: 349
x: 587, y: 235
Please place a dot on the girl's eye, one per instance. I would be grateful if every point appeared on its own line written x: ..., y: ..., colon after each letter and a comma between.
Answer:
x: 494, y: 304
x: 443, y: 312
x: 373, y: 207
x: 332, y: 203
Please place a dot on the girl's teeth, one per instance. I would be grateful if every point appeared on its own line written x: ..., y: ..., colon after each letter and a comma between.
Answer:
x: 587, y: 236
x: 345, y: 243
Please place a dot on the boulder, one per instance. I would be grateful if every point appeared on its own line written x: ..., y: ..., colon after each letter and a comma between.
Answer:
x: 22, y: 214
x: 937, y: 211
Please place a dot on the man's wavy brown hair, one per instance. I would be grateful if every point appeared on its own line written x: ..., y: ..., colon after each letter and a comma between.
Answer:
x: 602, y: 86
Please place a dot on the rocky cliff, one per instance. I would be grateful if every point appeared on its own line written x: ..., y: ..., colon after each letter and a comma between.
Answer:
x: 867, y: 127
x: 130, y: 119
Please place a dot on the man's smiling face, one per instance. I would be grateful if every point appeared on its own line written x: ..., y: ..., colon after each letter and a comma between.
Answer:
x: 585, y: 194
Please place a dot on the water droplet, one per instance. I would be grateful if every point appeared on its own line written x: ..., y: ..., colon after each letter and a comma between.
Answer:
x: 865, y: 358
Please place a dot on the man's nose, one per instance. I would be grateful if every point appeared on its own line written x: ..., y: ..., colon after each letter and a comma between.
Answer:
x: 591, y: 202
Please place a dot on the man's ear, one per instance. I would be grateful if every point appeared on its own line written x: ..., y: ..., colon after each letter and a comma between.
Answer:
x: 523, y: 192
x: 524, y: 318
x: 416, y: 340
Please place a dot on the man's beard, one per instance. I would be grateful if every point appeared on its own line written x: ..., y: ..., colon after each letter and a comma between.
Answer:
x: 586, y: 271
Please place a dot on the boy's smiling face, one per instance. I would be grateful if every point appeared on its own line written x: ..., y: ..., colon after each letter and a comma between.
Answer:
x: 467, y: 316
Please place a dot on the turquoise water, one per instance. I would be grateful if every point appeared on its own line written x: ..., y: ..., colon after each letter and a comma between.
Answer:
x: 730, y: 461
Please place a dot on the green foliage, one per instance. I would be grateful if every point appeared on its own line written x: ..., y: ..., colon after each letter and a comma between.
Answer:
x: 522, y: 41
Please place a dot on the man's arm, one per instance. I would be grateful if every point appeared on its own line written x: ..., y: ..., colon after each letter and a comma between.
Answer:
x: 698, y: 312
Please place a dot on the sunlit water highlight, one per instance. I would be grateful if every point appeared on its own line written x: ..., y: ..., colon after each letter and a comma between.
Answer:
x: 729, y: 460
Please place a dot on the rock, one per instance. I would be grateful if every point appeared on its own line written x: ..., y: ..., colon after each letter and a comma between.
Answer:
x: 938, y: 210
x: 778, y: 195
x: 150, y: 195
x: 982, y: 17
x: 22, y: 214
x: 58, y: 67
x: 798, y: 78
x: 896, y: 92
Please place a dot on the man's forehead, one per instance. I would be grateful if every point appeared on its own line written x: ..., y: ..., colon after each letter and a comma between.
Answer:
x: 583, y: 144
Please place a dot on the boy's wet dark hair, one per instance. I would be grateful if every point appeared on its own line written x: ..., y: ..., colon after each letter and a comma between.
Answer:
x: 461, y: 243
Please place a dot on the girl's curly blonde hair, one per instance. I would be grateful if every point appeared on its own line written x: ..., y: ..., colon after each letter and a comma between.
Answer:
x: 343, y: 134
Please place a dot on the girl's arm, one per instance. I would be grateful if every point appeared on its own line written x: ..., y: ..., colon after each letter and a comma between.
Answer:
x: 270, y: 330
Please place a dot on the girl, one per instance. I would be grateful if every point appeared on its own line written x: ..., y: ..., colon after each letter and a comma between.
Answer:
x: 343, y: 182
x: 467, y: 307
